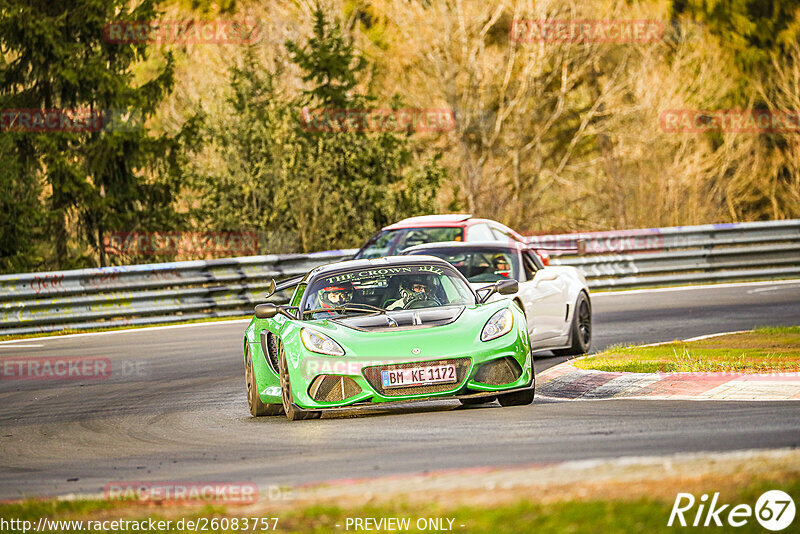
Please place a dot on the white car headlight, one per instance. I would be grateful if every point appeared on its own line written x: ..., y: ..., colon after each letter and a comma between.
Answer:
x: 319, y: 342
x: 500, y: 323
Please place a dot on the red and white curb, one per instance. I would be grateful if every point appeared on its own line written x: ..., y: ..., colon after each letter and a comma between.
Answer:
x: 565, y: 381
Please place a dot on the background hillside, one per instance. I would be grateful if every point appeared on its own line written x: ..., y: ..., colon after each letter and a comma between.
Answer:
x: 548, y: 136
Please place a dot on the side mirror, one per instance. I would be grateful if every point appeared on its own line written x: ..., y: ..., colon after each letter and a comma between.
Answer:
x: 503, y: 287
x: 267, y: 310
x: 506, y: 287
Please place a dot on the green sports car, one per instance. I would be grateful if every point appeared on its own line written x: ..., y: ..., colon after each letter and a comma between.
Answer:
x: 386, y: 330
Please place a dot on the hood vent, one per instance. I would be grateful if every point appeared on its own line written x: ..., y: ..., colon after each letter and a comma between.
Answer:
x: 404, y: 319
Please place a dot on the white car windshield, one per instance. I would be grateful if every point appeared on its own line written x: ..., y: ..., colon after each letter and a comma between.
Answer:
x: 479, y: 264
x: 391, y: 242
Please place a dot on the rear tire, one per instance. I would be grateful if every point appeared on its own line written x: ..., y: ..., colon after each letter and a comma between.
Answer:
x: 581, y: 330
x: 292, y: 413
x: 257, y: 408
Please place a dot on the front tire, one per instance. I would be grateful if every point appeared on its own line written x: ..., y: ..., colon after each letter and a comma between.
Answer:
x: 581, y: 330
x: 257, y: 408
x: 292, y: 413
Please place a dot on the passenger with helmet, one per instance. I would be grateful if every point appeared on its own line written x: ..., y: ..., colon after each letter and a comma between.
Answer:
x: 414, y: 289
x: 501, y: 266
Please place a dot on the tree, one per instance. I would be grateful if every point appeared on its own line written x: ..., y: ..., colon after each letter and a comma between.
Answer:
x: 24, y: 218
x: 754, y: 30
x: 348, y: 184
x: 253, y: 137
x: 314, y: 190
x: 761, y: 39
x: 330, y: 64
x: 527, y: 113
x: 56, y: 57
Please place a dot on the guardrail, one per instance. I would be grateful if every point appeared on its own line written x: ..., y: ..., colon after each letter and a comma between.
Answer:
x: 681, y: 255
x: 168, y: 292
x: 146, y: 294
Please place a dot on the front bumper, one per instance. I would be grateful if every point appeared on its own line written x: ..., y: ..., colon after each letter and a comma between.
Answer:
x: 361, y: 384
x: 485, y: 394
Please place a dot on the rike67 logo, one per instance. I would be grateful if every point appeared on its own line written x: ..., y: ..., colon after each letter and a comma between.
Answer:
x: 774, y: 510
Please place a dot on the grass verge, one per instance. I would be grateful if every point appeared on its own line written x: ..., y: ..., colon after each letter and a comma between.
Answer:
x: 769, y: 349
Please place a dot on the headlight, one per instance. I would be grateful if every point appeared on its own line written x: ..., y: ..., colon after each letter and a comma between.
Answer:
x: 499, y: 324
x: 318, y: 342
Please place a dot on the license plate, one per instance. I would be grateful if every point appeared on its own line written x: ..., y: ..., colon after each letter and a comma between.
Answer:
x: 417, y: 376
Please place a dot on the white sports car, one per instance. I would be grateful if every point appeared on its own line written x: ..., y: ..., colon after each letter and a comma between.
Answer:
x: 555, y: 300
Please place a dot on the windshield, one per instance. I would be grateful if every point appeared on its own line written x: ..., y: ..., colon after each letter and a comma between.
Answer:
x: 479, y: 265
x: 391, y: 242
x: 383, y: 289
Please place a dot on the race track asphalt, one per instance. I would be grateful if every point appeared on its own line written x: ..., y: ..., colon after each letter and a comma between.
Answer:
x: 174, y: 409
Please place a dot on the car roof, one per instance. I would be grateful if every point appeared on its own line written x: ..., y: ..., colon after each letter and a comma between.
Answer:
x: 488, y: 245
x: 452, y: 219
x: 374, y: 263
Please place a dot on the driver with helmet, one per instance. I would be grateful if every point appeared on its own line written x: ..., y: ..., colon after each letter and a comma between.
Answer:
x: 412, y: 289
x: 333, y: 296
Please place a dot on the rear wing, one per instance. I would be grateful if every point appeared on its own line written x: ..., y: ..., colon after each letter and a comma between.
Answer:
x: 284, y: 284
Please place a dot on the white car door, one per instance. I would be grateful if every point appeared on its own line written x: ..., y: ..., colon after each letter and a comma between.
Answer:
x: 543, y: 295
